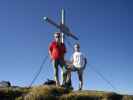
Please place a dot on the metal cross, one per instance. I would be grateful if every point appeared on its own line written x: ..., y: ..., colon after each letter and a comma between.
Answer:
x: 62, y: 27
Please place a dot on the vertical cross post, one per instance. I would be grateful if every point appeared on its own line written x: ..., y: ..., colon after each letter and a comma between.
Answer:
x: 62, y: 22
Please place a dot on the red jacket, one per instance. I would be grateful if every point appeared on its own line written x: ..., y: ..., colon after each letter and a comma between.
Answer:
x: 56, y: 51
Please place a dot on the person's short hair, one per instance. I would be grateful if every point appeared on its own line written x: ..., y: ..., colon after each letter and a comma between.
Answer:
x: 57, y: 34
x: 76, y: 45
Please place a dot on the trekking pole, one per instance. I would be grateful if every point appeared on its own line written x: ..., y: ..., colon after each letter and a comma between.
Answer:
x: 39, y: 71
x: 105, y: 79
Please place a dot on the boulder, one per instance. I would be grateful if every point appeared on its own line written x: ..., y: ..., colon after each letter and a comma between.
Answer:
x: 49, y: 82
x: 5, y: 84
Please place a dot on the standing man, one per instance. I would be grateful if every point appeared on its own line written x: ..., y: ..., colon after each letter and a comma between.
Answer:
x: 78, y: 64
x: 57, y: 51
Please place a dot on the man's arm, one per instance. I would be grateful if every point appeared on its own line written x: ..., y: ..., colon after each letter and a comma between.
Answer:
x: 85, y: 61
x: 50, y: 50
x: 64, y: 48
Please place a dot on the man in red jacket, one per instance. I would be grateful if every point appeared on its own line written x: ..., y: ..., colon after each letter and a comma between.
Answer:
x: 57, y: 51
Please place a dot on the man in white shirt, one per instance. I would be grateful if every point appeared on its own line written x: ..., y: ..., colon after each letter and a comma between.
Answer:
x: 78, y: 64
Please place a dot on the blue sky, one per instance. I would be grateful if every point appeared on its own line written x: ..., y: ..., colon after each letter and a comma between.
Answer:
x: 104, y: 28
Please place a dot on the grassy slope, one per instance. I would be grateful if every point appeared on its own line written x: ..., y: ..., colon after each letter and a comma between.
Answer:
x: 57, y: 93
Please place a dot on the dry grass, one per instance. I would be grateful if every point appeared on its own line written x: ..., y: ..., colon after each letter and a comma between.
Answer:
x: 45, y: 93
x: 127, y: 97
x: 11, y: 93
x: 57, y: 93
x: 91, y: 95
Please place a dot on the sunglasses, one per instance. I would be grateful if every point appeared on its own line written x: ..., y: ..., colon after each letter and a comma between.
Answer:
x: 57, y: 37
x: 76, y: 47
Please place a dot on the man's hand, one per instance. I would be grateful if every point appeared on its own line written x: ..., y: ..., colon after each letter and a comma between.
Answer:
x: 50, y: 55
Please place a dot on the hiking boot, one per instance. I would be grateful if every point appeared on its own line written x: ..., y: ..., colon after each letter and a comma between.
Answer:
x: 63, y: 85
x: 57, y: 84
x: 80, y: 89
x: 70, y: 87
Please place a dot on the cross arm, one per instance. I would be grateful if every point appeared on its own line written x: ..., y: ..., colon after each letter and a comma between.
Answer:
x: 62, y: 27
x: 51, y: 22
